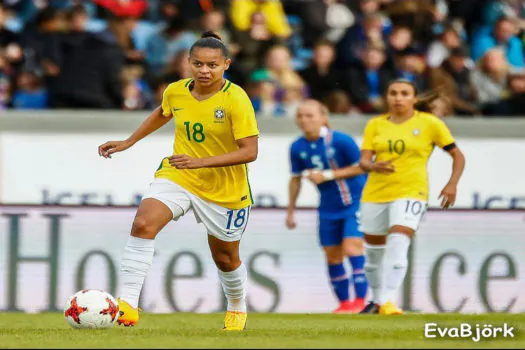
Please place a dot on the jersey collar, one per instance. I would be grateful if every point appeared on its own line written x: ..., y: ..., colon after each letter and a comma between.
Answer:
x: 324, y: 131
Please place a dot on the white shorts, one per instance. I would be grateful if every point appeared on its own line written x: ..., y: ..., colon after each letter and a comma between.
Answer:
x: 225, y: 224
x: 378, y: 218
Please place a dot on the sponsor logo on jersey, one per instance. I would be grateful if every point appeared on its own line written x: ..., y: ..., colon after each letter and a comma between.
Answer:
x: 303, y: 155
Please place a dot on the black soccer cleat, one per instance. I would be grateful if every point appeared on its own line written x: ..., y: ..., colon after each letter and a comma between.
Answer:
x: 371, y: 308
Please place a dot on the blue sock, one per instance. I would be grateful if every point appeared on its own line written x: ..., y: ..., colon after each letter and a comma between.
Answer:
x: 339, y: 281
x: 358, y: 275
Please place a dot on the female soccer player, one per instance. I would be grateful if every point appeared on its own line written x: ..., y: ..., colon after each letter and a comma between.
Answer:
x: 329, y: 159
x: 215, y: 136
x: 396, y: 192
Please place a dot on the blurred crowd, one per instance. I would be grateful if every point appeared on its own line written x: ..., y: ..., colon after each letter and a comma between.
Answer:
x: 121, y: 54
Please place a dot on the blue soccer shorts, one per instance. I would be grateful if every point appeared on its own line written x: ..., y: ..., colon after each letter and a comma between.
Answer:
x: 332, y: 231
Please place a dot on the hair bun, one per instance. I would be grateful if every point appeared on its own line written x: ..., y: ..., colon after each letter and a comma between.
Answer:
x: 211, y: 34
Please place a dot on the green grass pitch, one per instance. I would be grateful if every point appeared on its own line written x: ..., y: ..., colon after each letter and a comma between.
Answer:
x: 182, y: 330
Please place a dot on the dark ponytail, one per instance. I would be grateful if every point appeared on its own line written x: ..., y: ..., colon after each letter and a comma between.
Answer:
x: 424, y: 100
x: 212, y: 40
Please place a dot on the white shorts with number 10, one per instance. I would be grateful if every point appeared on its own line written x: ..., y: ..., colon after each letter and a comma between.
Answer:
x: 226, y: 224
x: 377, y: 218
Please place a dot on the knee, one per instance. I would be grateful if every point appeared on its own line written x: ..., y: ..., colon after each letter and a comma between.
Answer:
x: 333, y: 256
x: 143, y: 228
x: 354, y: 247
x: 226, y: 262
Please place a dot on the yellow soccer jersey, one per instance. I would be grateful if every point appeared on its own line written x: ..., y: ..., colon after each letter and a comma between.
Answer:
x: 409, y: 145
x: 205, y: 129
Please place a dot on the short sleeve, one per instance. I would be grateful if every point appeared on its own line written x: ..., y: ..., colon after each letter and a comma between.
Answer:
x: 243, y: 119
x: 442, y: 135
x: 295, y: 161
x: 368, y: 135
x: 350, y: 149
x: 166, y: 110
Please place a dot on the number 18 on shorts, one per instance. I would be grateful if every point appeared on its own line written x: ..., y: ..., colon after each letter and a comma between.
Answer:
x: 226, y: 224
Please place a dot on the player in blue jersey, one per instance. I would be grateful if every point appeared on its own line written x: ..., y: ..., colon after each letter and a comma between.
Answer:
x: 329, y: 159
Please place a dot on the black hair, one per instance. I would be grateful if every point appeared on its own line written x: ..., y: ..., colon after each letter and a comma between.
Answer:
x: 402, y: 81
x: 76, y: 10
x: 45, y: 15
x: 212, y: 40
x: 425, y: 99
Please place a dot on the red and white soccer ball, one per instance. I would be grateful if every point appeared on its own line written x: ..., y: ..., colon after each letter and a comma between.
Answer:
x: 91, y: 308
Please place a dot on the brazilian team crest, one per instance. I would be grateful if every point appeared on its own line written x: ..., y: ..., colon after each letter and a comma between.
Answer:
x: 219, y: 115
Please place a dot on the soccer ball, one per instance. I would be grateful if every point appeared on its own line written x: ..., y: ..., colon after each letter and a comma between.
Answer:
x: 91, y: 308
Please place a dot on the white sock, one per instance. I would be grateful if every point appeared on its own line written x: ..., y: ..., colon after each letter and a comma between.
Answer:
x: 234, y: 287
x: 136, y: 261
x: 373, y: 268
x: 395, y: 265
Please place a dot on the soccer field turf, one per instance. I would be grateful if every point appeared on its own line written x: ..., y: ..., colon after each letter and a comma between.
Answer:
x: 50, y: 330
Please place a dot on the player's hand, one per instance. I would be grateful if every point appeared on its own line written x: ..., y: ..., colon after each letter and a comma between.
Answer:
x: 316, y: 177
x: 290, y: 221
x: 182, y: 161
x: 107, y: 149
x: 449, y: 195
x: 385, y: 167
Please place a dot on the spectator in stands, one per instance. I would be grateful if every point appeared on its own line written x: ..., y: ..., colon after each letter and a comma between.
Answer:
x: 214, y: 20
x: 162, y: 47
x: 5, y: 83
x: 440, y: 49
x: 489, y: 79
x: 441, y: 106
x: 90, y: 75
x: 262, y: 90
x: 278, y: 65
x: 9, y: 41
x: 77, y: 18
x: 41, y: 42
x: 371, y: 30
x: 254, y: 43
x: 399, y: 39
x: 272, y: 10
x: 516, y: 101
x: 418, y: 15
x: 119, y: 31
x: 292, y: 98
x: 169, y: 10
x: 495, y: 9
x: 411, y: 66
x: 30, y: 92
x: 322, y: 77
x: 179, y: 67
x: 324, y: 19
x: 136, y: 92
x: 504, y: 35
x: 338, y: 102
x: 368, y: 7
x: 453, y: 76
x: 367, y: 82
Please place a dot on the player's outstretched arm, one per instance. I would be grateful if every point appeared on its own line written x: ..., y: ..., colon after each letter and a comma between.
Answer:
x: 247, y: 153
x: 448, y: 194
x: 294, y: 187
x: 152, y: 123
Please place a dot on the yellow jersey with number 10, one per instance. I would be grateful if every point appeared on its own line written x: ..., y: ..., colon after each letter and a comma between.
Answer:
x: 205, y: 129
x: 408, y: 145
